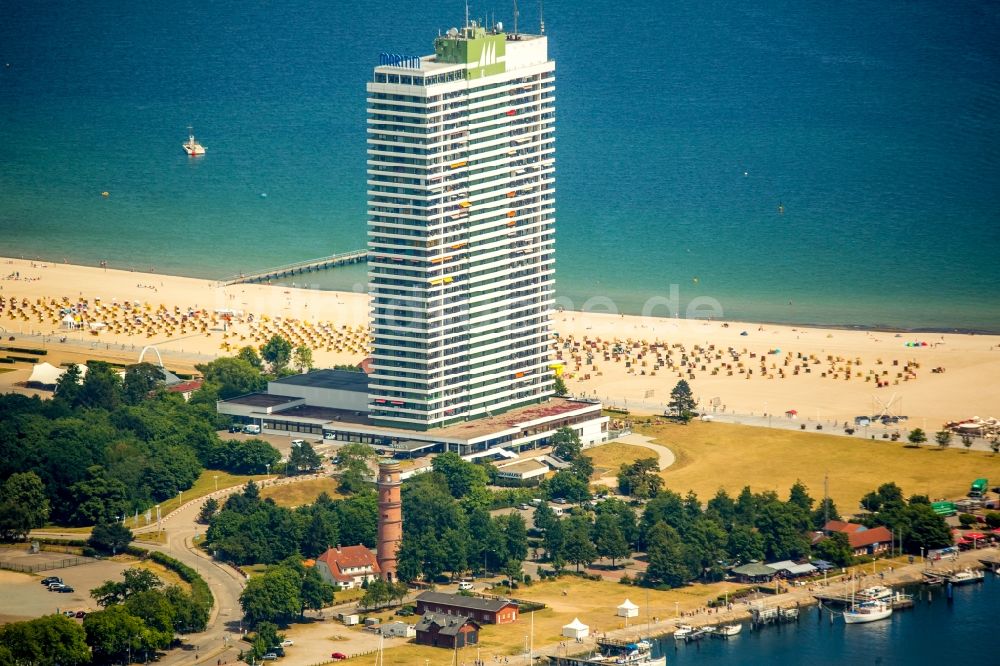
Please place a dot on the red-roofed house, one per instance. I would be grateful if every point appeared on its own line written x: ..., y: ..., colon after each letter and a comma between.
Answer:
x: 863, y: 541
x: 841, y: 526
x: 348, y: 566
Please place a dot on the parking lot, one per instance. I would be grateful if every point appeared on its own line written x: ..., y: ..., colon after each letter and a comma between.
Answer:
x: 25, y: 598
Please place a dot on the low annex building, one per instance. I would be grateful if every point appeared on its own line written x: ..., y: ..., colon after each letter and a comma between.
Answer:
x: 863, y: 540
x: 450, y: 631
x: 349, y: 566
x: 486, y: 611
x: 334, y: 405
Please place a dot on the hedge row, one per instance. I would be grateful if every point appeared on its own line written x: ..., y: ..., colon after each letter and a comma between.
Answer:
x: 199, y: 588
x: 24, y: 350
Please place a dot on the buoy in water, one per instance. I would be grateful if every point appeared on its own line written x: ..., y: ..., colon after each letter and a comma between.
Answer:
x: 105, y: 194
x: 263, y: 195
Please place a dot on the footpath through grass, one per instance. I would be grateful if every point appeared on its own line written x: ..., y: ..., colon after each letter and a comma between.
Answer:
x: 721, y: 455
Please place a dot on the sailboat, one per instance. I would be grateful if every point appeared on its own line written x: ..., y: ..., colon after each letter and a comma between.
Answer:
x: 867, y: 611
x: 192, y: 147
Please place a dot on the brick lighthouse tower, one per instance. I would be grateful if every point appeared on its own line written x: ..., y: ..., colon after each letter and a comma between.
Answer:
x: 390, y: 518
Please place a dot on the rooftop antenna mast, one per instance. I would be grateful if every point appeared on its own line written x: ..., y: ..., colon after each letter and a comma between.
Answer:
x: 466, y: 13
x: 541, y: 15
x: 515, y: 18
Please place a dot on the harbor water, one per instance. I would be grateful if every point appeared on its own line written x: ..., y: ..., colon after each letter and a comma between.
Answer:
x: 827, y: 163
x: 935, y: 631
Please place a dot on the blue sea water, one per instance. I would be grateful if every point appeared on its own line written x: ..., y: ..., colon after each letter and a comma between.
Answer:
x: 683, y: 132
x: 936, y: 631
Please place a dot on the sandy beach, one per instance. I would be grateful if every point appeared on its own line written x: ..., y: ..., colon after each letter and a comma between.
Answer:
x: 629, y: 361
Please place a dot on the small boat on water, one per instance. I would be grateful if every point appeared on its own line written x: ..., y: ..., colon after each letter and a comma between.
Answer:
x: 876, y: 593
x: 869, y: 611
x: 683, y: 631
x: 727, y: 630
x: 626, y: 653
x: 965, y: 577
x: 192, y: 147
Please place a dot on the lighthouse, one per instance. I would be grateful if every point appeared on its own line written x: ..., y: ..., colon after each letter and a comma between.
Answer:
x: 390, y: 518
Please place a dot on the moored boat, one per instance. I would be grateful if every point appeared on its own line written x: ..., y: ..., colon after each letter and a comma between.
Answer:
x: 727, y: 630
x: 682, y: 632
x: 869, y: 611
x: 965, y: 577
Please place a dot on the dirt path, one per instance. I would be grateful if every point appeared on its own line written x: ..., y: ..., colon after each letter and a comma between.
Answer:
x: 665, y: 455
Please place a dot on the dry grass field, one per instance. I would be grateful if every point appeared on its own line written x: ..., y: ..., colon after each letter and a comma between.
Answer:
x: 608, y: 458
x: 301, y: 492
x: 719, y: 455
x: 594, y: 602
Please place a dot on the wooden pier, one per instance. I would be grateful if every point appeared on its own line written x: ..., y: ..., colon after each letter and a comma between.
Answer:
x: 763, y: 616
x: 342, y: 259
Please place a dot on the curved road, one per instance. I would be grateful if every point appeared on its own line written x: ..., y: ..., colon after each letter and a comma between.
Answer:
x: 220, y: 640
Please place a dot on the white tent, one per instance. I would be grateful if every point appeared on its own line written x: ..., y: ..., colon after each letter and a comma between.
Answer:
x: 45, y: 374
x: 68, y: 321
x: 576, y: 629
x: 628, y: 609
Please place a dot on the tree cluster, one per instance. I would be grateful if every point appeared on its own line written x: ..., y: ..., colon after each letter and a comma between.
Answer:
x: 447, y: 526
x: 913, y: 521
x: 283, y: 593
x: 641, y: 478
x: 140, y: 616
x: 572, y: 483
x: 251, y: 530
x: 52, y: 639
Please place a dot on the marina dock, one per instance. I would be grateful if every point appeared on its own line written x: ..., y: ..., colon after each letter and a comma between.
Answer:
x: 323, y: 263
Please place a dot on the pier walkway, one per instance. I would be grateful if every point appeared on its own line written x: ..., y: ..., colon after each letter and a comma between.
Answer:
x: 352, y: 257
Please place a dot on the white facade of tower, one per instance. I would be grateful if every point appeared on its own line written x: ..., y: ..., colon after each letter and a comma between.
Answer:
x: 460, y: 228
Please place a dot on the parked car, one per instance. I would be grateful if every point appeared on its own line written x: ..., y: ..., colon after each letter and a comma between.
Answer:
x: 236, y: 427
x: 81, y: 614
x: 51, y: 579
x: 523, y: 506
x: 560, y: 500
x: 287, y: 642
x: 69, y: 613
x: 251, y: 429
x: 278, y: 650
x: 338, y: 656
x: 65, y: 589
x: 55, y: 586
x: 404, y: 612
x: 270, y: 656
x: 465, y: 585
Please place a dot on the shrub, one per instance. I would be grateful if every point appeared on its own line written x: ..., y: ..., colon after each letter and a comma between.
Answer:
x: 993, y: 519
x: 967, y: 519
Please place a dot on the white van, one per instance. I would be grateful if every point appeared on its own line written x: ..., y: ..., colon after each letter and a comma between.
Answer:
x: 465, y: 585
x: 252, y: 429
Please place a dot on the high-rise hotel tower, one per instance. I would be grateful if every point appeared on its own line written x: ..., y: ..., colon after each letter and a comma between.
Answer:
x: 460, y: 227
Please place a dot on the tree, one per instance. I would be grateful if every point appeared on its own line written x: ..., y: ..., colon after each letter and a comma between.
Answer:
x: 559, y: 387
x: 705, y: 549
x: 274, y: 596
x: 303, y: 358
x: 512, y: 570
x: 303, y: 457
x: 250, y: 355
x: 640, y: 479
x: 315, y: 592
x: 926, y: 529
x: 134, y: 581
x: 544, y: 516
x: 52, y: 639
x: 967, y: 442
x: 609, y: 540
x: 69, y: 384
x: 566, y: 444
x: 462, y: 476
x: 579, y: 549
x: 917, y: 437
x: 943, y: 438
x: 102, y: 388
x: 799, y: 496
x: 826, y: 510
x: 568, y: 485
x: 353, y: 466
x: 277, y: 352
x: 682, y: 402
x: 23, y: 505
x: 377, y: 594
x: 835, y: 549
x: 231, y: 377
x: 208, y: 509
x: 666, y: 558
x: 140, y: 380
x: 110, y: 537
x: 114, y: 634
x: 555, y: 541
